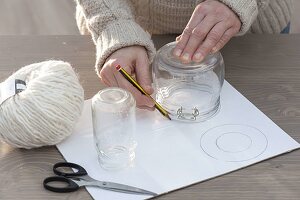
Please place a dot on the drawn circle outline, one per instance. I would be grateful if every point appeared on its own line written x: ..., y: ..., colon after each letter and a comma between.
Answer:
x: 229, y: 154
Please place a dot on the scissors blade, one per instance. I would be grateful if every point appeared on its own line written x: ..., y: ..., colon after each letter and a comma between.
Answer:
x: 123, y: 188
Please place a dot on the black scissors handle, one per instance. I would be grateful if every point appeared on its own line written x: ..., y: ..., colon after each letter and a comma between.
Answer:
x: 63, y: 178
x: 80, y: 170
x: 71, y: 187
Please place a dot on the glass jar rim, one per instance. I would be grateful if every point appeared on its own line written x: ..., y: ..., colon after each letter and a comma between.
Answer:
x: 170, y: 62
x: 114, y: 96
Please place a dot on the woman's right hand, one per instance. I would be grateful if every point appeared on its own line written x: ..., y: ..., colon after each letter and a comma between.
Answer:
x: 134, y: 60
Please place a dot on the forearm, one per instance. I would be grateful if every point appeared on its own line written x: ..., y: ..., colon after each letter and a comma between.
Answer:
x: 100, y: 13
x: 112, y: 26
x: 273, y: 16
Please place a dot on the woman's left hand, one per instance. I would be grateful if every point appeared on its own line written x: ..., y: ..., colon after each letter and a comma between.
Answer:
x: 211, y: 26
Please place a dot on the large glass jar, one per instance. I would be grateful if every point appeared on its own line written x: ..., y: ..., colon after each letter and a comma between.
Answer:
x: 189, y: 92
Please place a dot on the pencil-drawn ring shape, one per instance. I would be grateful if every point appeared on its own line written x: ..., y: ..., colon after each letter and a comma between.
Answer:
x: 233, y: 142
x: 223, y: 142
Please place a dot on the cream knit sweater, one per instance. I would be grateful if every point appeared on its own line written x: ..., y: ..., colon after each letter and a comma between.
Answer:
x: 115, y: 24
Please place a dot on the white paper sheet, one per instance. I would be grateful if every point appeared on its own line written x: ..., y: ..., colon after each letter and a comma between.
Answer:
x: 171, y: 155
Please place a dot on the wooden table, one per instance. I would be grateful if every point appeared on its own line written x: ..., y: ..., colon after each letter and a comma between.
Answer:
x: 264, y: 68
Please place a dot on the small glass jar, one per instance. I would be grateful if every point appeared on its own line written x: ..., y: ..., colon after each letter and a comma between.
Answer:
x: 113, y: 111
x: 189, y: 92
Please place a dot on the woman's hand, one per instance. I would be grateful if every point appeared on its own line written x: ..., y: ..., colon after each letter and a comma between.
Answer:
x: 211, y: 26
x: 135, y: 61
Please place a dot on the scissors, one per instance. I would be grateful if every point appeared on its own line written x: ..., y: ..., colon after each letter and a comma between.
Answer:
x: 80, y: 178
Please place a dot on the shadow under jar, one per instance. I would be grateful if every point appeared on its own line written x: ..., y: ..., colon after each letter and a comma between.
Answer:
x: 190, y: 92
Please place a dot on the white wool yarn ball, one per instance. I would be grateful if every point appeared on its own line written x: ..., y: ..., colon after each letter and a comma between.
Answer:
x: 44, y: 113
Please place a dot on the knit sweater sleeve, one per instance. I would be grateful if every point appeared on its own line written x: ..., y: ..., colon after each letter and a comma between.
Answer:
x: 246, y: 10
x: 112, y: 26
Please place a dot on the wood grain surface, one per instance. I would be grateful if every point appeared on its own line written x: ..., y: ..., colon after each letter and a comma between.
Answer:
x: 38, y: 17
x: 264, y: 68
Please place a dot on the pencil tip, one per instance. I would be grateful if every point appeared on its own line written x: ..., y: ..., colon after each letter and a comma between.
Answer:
x: 168, y: 117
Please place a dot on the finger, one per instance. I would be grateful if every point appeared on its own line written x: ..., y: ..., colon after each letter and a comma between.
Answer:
x: 147, y: 108
x: 141, y: 100
x: 178, y: 38
x: 181, y: 43
x: 199, y: 33
x: 142, y: 73
x: 103, y: 79
x: 224, y: 39
x: 107, y: 77
x: 210, y: 41
x: 105, y: 82
x: 197, y: 16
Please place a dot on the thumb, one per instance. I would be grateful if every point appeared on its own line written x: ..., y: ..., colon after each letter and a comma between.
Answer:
x: 143, y: 74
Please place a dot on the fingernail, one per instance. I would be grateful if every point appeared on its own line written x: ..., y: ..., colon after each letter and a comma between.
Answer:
x: 198, y: 57
x: 148, y: 89
x: 214, y: 50
x: 186, y: 57
x: 177, y: 52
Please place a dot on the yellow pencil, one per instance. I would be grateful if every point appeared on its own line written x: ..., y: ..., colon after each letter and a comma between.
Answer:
x: 135, y: 84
